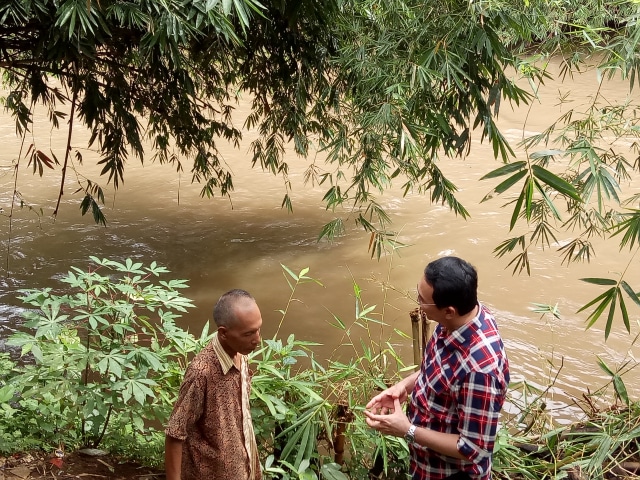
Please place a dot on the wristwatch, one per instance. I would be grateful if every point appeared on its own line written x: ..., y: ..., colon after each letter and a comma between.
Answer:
x: 410, y: 436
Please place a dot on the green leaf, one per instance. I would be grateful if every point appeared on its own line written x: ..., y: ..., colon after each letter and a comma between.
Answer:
x: 506, y: 169
x: 630, y: 292
x: 338, y: 323
x: 546, y: 153
x: 605, y: 367
x: 624, y: 312
x: 599, y: 281
x: 597, y: 299
x: 612, y: 311
x: 555, y: 182
x: 631, y: 228
x: 308, y: 475
x: 529, y: 188
x: 621, y: 389
x: 605, y: 299
x: 6, y: 393
x: 516, y: 210
x: 291, y: 274
x: 508, y: 183
x: 547, y: 200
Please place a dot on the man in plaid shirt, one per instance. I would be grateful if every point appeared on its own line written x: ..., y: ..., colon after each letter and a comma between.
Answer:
x: 457, y: 395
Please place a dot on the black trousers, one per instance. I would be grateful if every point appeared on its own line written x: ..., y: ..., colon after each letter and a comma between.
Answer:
x: 459, y: 476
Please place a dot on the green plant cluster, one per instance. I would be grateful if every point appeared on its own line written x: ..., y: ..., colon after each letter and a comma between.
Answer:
x: 102, y: 362
x: 604, y: 444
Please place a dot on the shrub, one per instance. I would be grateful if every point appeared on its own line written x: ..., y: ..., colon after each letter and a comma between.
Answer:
x: 104, y: 356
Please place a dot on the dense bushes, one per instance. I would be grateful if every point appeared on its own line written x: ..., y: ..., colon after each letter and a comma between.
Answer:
x: 103, y: 359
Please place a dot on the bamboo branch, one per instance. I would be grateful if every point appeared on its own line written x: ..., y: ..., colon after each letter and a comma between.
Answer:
x: 68, y: 150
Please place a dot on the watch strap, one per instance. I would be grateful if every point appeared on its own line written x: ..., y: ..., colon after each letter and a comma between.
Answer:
x: 410, y: 436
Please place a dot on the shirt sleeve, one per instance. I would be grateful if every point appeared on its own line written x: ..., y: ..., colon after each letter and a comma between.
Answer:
x: 189, y: 406
x: 480, y: 399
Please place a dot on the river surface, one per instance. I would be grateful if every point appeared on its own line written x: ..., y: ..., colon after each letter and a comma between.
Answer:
x: 217, y: 244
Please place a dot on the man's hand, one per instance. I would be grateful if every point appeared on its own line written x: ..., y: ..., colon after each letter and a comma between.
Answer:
x: 390, y: 421
x: 384, y: 402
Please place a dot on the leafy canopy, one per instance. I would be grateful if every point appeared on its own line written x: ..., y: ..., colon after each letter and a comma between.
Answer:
x: 384, y: 89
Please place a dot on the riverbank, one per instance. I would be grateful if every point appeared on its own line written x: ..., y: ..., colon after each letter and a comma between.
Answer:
x: 604, y: 447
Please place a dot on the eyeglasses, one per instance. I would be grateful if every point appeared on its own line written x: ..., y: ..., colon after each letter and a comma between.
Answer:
x: 420, y: 302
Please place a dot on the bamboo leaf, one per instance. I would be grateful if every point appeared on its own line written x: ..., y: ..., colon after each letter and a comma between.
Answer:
x: 607, y: 298
x: 529, y: 188
x: 555, y: 182
x: 612, y: 311
x: 621, y: 389
x: 631, y: 228
x: 508, y: 183
x: 302, y: 447
x: 599, y: 281
x: 516, y: 211
x: 545, y: 154
x: 291, y: 274
x: 292, y: 443
x: 630, y: 292
x: 596, y: 300
x: 623, y: 310
x: 605, y: 368
x: 505, y: 170
x: 547, y: 200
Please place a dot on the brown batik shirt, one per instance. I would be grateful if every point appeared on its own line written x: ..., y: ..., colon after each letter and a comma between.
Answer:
x: 213, y: 419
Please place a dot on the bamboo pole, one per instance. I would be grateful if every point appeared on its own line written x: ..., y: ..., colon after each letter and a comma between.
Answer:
x: 422, y: 329
x: 338, y: 443
x: 415, y: 329
x: 428, y: 327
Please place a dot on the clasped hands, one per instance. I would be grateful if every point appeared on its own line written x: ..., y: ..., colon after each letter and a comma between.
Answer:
x: 384, y: 413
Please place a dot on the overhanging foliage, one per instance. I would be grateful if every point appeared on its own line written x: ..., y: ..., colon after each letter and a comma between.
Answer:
x: 385, y: 89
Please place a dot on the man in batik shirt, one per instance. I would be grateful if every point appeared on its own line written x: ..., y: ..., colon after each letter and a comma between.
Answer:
x: 456, y: 397
x: 210, y: 433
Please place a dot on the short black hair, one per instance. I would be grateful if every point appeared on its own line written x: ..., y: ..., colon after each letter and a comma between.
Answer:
x: 224, y: 312
x: 454, y: 282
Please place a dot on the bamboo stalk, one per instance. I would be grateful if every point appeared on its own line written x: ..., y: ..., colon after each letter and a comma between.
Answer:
x: 415, y: 329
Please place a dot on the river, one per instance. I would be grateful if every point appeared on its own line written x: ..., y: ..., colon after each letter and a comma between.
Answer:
x: 217, y: 244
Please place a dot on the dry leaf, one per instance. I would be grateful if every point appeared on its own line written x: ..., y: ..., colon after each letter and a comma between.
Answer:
x: 21, y: 472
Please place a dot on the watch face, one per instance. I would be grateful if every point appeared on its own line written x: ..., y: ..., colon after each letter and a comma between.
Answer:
x: 410, y: 435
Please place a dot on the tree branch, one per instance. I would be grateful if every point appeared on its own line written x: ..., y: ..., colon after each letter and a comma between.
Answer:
x: 68, y: 150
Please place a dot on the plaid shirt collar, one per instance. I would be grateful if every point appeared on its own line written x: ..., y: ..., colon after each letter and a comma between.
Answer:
x: 463, y: 335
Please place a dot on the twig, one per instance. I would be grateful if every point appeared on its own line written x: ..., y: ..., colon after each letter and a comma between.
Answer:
x: 68, y: 150
x: 13, y: 198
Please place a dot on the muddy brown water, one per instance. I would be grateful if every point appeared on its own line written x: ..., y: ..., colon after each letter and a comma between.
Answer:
x: 218, y: 244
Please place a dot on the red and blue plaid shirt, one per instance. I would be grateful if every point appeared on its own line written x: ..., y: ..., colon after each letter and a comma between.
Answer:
x: 461, y: 388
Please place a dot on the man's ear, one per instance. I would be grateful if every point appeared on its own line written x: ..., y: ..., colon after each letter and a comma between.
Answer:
x: 450, y: 311
x: 222, y: 331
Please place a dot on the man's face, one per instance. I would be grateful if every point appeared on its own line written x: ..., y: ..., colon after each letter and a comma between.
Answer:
x: 243, y: 335
x: 425, y: 300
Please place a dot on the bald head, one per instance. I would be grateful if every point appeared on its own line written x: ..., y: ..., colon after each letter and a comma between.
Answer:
x: 225, y: 313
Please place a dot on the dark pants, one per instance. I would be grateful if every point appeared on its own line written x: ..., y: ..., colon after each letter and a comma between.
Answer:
x: 459, y: 476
